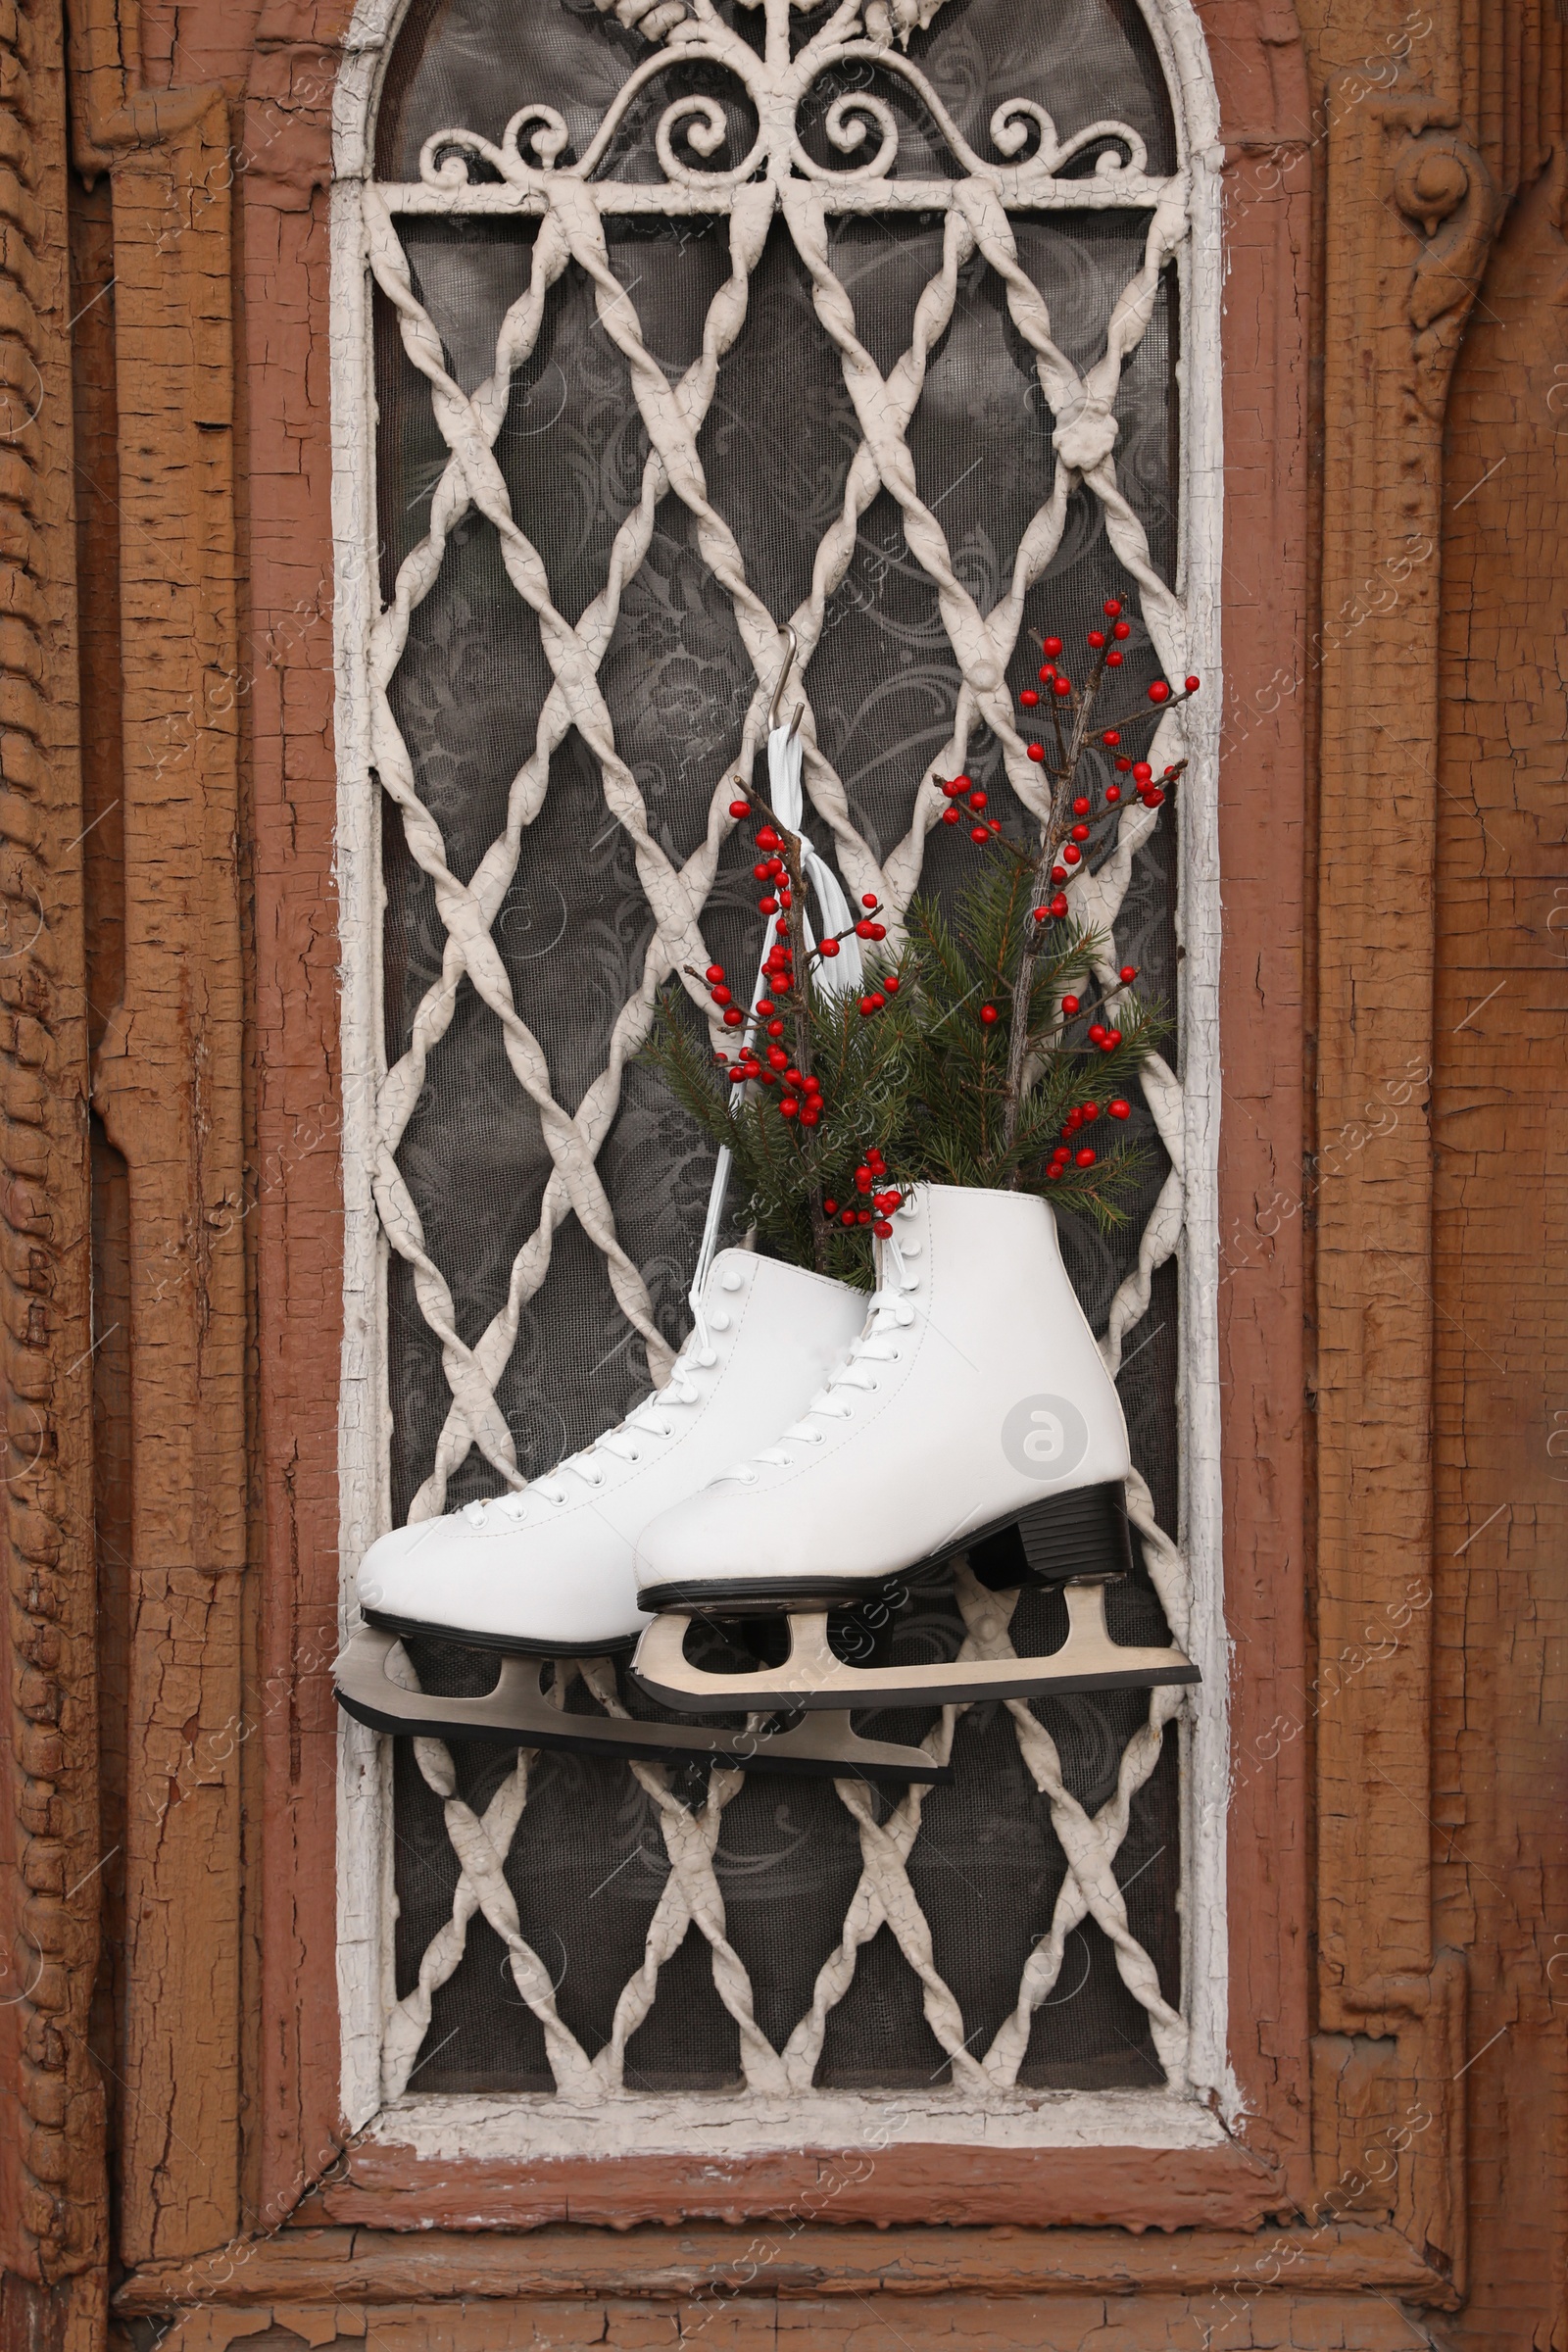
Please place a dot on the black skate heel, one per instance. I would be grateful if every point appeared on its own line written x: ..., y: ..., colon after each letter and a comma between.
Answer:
x: 1081, y: 1533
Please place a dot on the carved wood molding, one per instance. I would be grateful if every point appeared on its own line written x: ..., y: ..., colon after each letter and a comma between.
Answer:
x: 1410, y: 216
x: 51, y: 2138
x: 167, y: 1082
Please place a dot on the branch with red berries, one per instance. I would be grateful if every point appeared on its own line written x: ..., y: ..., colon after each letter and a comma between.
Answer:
x: 967, y: 1059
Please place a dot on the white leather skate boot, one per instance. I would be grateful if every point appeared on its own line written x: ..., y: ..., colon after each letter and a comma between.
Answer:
x: 974, y: 1403
x: 550, y: 1572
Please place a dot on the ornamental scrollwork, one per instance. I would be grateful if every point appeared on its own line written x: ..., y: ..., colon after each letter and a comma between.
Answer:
x: 777, y: 84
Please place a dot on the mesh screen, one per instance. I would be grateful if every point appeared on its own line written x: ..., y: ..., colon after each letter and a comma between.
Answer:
x: 588, y: 1861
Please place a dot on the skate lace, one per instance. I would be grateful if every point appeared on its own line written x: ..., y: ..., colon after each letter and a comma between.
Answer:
x: 648, y: 1418
x: 891, y: 1311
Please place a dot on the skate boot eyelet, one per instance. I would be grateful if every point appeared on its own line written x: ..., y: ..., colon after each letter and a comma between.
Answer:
x: 718, y: 1320
x: 733, y: 1279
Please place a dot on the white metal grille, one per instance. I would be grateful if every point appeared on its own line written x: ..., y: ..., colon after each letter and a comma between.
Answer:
x: 777, y: 181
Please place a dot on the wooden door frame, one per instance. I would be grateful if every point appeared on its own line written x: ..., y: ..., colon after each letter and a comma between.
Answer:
x: 238, y: 2198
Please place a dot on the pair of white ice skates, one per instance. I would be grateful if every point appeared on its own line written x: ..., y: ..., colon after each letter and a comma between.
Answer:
x: 965, y: 1407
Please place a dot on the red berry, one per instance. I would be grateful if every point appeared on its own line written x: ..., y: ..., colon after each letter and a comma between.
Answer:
x: 950, y: 816
x: 1058, y: 906
x: 1052, y: 647
x: 1037, y: 752
x: 792, y: 1077
x: 1123, y: 629
x: 1058, y: 873
x: 868, y: 1004
x: 811, y: 1086
x: 767, y: 839
x: 1041, y: 914
x: 979, y: 833
x: 1113, y: 736
x: 882, y: 1229
x: 762, y: 870
x: 1084, y: 1158
x: 848, y: 1217
x: 1097, y: 1033
x: 720, y: 996
x: 737, y: 1077
x: 954, y: 787
x: 767, y: 905
x: 788, y: 1109
x: 1143, y: 773
x: 862, y: 1216
x: 878, y: 930
x: 862, y: 929
x: 1124, y: 767
x: 763, y: 1077
x: 978, y: 800
x: 1113, y: 660
x: 1113, y: 1038
x: 811, y: 1112
x: 775, y: 1028
x: 1029, y: 698
x: 777, y: 1058
x: 989, y: 1015
x: 890, y: 983
x: 1061, y: 685
x: 868, y: 898
x: 1129, y: 972
x: 764, y: 1006
x: 1160, y: 692
x: 830, y: 947
x: 1193, y: 684
x: 961, y: 783
x: 734, y: 1017
x: 830, y: 1208
x: 1079, y: 806
x: 1080, y: 832
x: 1075, y: 1120
x: 740, y: 807
x: 1073, y: 853
x: 876, y: 1000
x: 1053, y: 1173
x: 1096, y: 638
x: 1046, y: 673
x: 1091, y: 1110
x: 713, y: 973
x: 1119, y: 1109
x: 782, y: 983
x: 1113, y: 794
x: 1069, y: 1005
x: 1112, y: 607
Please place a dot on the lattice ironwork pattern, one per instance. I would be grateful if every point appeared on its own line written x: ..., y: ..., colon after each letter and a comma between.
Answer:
x: 810, y: 160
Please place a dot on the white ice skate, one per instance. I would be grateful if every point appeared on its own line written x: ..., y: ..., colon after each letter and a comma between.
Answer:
x: 973, y: 1411
x: 548, y: 1573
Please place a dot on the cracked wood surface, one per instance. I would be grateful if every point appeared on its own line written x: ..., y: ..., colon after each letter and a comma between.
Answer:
x: 1500, y: 1263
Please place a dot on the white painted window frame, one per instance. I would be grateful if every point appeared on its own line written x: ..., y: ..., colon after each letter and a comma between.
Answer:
x: 525, y: 2126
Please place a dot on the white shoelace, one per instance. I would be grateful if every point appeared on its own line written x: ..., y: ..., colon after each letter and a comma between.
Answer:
x: 891, y: 1310
x: 650, y: 1418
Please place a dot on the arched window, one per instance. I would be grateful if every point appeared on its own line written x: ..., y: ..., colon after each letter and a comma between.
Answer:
x: 658, y: 328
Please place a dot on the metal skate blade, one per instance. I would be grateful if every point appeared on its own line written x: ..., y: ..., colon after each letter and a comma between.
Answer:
x: 519, y: 1713
x: 812, y: 1677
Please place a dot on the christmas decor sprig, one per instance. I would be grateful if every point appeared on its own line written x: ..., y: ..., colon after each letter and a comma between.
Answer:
x: 966, y: 1057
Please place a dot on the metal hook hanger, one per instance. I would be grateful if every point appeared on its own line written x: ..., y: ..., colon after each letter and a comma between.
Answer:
x: 782, y: 679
